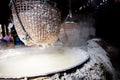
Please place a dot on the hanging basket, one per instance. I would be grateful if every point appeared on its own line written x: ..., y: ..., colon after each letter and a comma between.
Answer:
x: 40, y: 21
x: 76, y: 31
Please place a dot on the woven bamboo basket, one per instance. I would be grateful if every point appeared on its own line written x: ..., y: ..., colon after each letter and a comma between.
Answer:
x: 40, y: 19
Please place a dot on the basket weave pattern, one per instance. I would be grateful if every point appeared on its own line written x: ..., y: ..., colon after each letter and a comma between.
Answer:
x: 40, y: 20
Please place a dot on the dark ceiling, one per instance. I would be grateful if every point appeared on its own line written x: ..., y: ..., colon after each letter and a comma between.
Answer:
x: 65, y: 5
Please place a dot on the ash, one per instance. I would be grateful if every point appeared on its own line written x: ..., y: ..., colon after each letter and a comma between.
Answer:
x: 98, y: 67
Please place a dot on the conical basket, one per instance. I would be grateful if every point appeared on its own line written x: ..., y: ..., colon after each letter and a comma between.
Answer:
x: 39, y: 19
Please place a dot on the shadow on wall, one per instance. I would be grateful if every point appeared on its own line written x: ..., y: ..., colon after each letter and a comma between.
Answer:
x: 107, y: 24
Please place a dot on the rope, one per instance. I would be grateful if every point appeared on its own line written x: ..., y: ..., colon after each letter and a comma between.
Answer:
x: 27, y: 37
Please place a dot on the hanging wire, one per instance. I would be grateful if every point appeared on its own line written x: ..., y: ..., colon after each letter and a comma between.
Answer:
x: 70, y: 9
